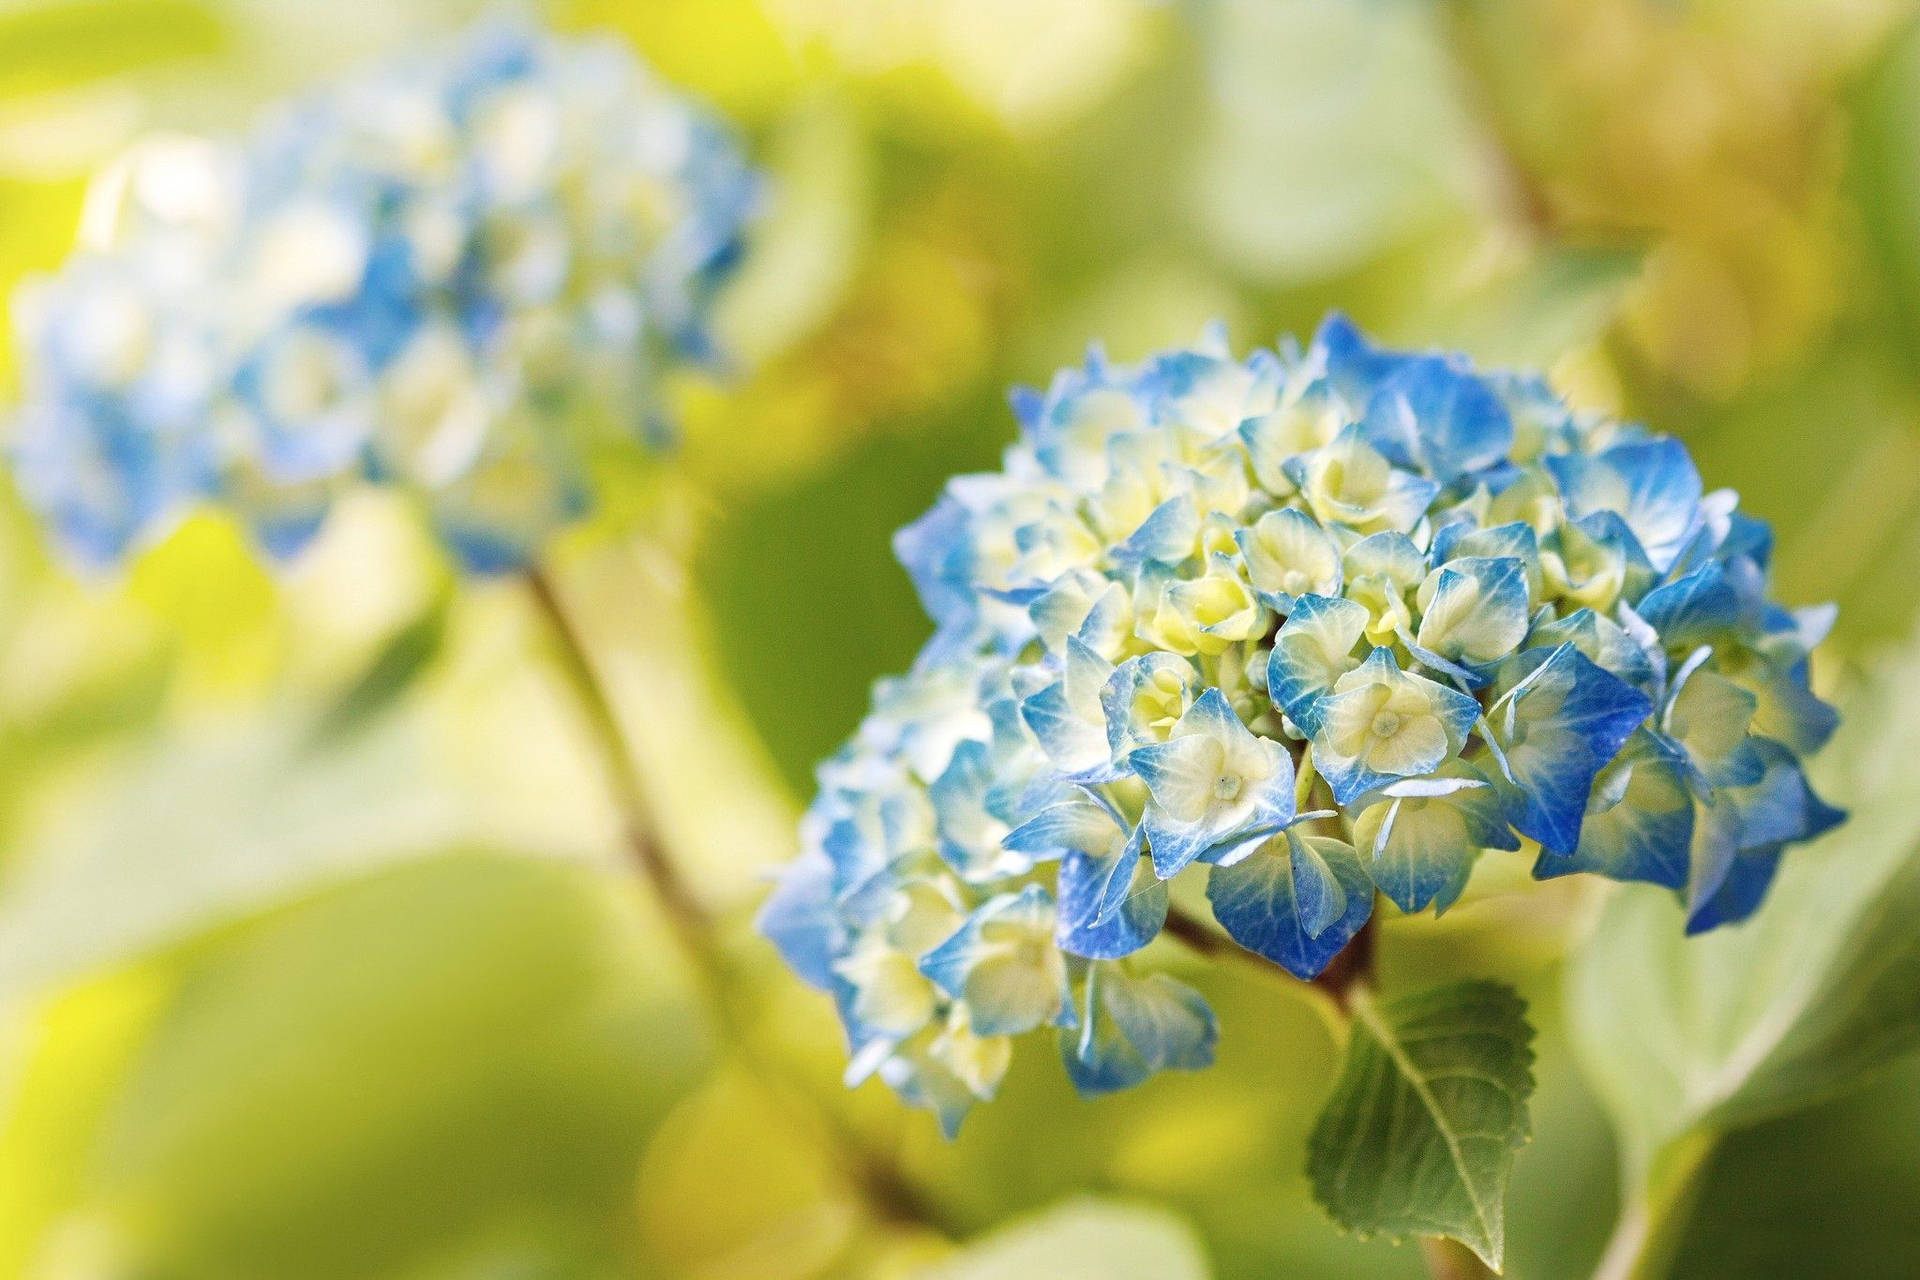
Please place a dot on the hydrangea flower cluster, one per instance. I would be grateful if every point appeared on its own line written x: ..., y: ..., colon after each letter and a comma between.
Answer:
x: 1323, y: 622
x: 462, y: 272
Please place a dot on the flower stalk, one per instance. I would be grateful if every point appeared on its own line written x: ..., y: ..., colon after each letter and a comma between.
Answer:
x: 888, y: 1194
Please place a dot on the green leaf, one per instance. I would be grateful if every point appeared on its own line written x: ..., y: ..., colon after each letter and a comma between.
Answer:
x: 1557, y: 301
x: 466, y: 1052
x: 1418, y: 1138
x: 1869, y: 1015
x: 207, y: 826
x: 1083, y: 1240
x: 1336, y: 132
x: 407, y: 653
x: 1682, y: 1034
x: 69, y: 1070
x: 1885, y: 185
x: 53, y: 45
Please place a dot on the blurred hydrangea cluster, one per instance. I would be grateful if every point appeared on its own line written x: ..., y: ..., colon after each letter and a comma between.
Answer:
x: 1324, y: 622
x: 462, y: 272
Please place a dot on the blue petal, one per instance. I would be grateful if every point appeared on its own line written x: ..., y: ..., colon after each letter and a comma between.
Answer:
x: 922, y: 1081
x: 1111, y: 902
x: 1354, y: 366
x: 1604, y: 643
x: 1117, y: 696
x: 1741, y: 890
x: 1703, y: 608
x: 1389, y: 553
x: 1440, y: 417
x: 1420, y: 849
x: 1254, y: 902
x: 1319, y: 899
x: 1134, y: 1027
x: 798, y: 918
x: 1556, y: 730
x: 1085, y: 886
x: 1516, y: 540
x: 1310, y: 652
x: 1639, y: 830
x: 1651, y: 483
x: 970, y: 835
x: 1349, y: 778
x: 1078, y: 824
x: 1787, y: 710
x: 937, y: 552
x: 1166, y: 536
x: 1008, y: 988
x: 1781, y: 807
x: 285, y: 534
x: 1478, y: 610
x: 1026, y: 404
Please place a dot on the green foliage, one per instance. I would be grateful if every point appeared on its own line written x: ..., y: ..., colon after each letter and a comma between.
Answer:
x: 1419, y: 1136
x: 394, y: 668
x: 1337, y: 133
x: 1558, y: 301
x: 50, y: 45
x: 213, y: 826
x: 1830, y: 1191
x: 453, y: 1062
x: 1083, y: 1240
x: 1822, y: 986
x: 1688, y: 1034
x: 242, y: 1039
x: 1887, y: 186
x: 1419, y: 1133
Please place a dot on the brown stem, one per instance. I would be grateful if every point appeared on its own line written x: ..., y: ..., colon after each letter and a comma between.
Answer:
x: 639, y: 826
x: 1450, y: 1260
x: 1351, y: 967
x: 887, y: 1191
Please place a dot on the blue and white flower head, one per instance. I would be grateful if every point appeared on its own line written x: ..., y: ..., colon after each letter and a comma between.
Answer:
x: 1316, y: 626
x: 464, y: 272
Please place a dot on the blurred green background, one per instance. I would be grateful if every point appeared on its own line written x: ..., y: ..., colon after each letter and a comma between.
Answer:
x: 317, y: 958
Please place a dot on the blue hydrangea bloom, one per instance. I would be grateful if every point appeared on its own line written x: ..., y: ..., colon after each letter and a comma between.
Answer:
x: 1316, y: 626
x: 464, y: 272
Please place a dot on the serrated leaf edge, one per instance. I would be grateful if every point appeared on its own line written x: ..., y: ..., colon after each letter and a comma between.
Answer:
x: 1369, y: 1016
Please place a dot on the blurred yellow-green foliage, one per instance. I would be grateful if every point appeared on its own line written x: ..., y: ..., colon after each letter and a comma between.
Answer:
x: 316, y: 958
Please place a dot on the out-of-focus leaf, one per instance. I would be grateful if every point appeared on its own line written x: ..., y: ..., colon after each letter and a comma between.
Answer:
x: 1830, y: 1192
x: 1820, y: 986
x: 724, y: 50
x: 805, y: 252
x: 399, y: 662
x: 719, y: 805
x: 1800, y: 1006
x: 1867, y: 1015
x: 1530, y: 317
x: 1083, y: 1240
x: 404, y: 1065
x: 73, y: 1055
x: 1419, y: 1136
x: 1336, y: 133
x: 207, y: 586
x: 47, y: 44
x: 1844, y: 501
x: 1884, y: 138
x: 210, y: 826
x: 819, y: 200
x: 820, y: 550
x: 784, y: 1215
